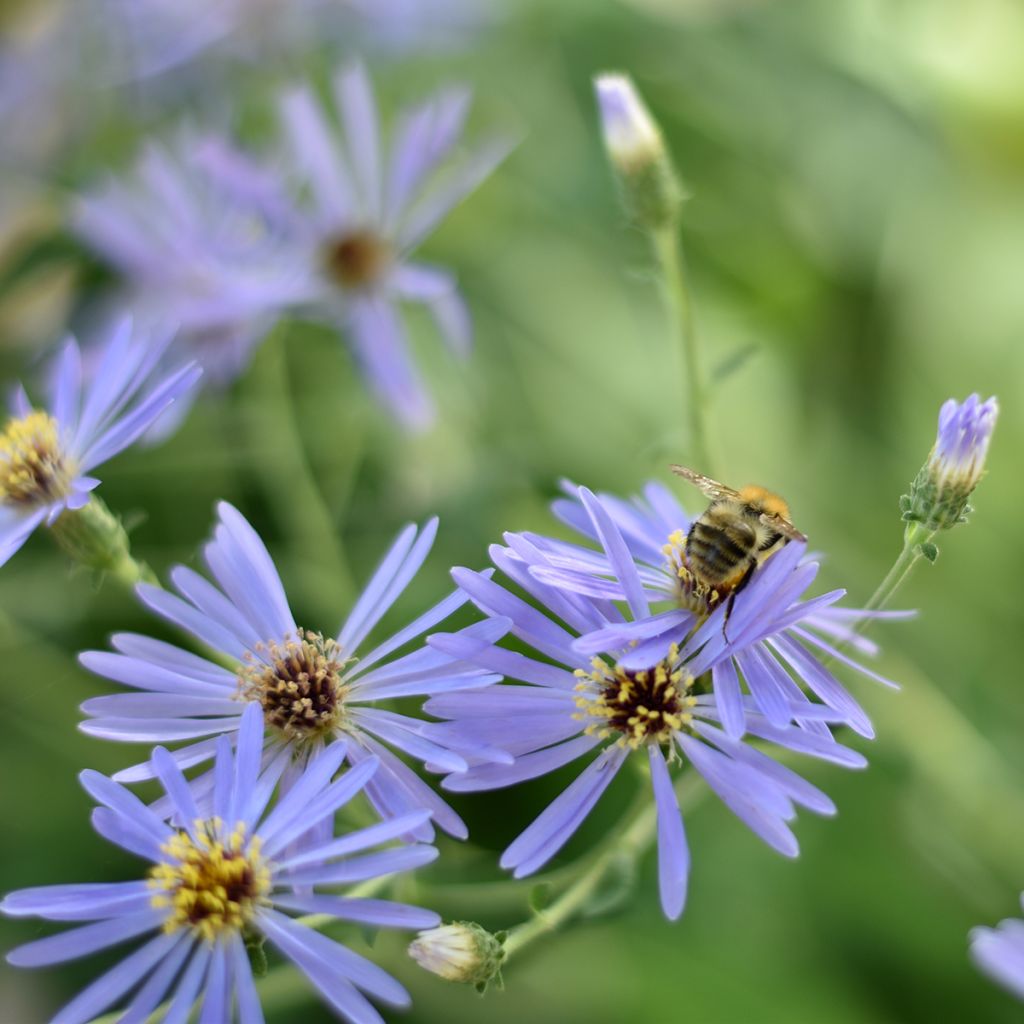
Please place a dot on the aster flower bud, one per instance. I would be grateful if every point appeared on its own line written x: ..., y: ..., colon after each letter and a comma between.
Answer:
x: 462, y: 951
x: 650, y: 187
x: 93, y: 537
x: 938, y: 496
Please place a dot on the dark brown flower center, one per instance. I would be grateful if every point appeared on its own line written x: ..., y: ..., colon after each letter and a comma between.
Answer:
x: 357, y: 259
x: 641, y: 705
x: 298, y: 684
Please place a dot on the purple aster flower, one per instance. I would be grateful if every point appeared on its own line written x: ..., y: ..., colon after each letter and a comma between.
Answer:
x: 366, y: 212
x: 198, y: 233
x: 584, y: 702
x: 47, y: 455
x: 938, y: 495
x: 312, y: 688
x: 220, y: 879
x: 999, y: 952
x: 772, y: 635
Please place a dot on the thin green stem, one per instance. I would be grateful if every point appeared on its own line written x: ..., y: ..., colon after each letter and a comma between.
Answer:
x: 289, y: 481
x: 630, y: 839
x: 675, y: 286
x: 914, y: 536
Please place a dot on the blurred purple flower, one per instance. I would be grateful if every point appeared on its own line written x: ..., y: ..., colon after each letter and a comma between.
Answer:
x: 771, y: 632
x: 197, y: 246
x: 616, y: 705
x: 46, y: 455
x: 366, y: 213
x: 313, y: 689
x: 220, y: 878
x: 999, y: 952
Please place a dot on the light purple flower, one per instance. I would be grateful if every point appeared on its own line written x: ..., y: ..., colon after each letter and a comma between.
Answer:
x: 999, y: 952
x: 199, y: 234
x: 313, y: 689
x: 47, y: 456
x: 220, y: 878
x: 939, y: 494
x: 600, y: 700
x: 773, y: 636
x: 369, y: 206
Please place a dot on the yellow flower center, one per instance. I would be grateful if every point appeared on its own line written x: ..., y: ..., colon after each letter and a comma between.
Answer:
x: 357, y: 259
x: 210, y: 884
x: 298, y: 684
x: 643, y: 706
x: 33, y: 468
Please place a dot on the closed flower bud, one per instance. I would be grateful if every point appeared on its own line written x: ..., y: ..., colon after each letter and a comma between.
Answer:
x: 461, y: 951
x: 939, y: 493
x: 650, y: 188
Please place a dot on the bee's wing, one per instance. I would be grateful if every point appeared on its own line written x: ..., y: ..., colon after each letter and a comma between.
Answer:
x: 711, y: 488
x: 783, y: 526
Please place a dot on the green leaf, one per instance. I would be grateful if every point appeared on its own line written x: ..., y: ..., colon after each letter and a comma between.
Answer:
x: 540, y: 897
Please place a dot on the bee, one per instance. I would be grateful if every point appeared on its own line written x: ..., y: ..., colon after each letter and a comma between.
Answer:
x: 735, y: 534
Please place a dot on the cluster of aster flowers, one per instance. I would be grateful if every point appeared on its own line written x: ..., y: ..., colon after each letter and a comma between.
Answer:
x: 322, y: 225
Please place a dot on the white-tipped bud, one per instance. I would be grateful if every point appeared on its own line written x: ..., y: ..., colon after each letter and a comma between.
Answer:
x: 650, y: 187
x: 939, y: 493
x: 461, y: 951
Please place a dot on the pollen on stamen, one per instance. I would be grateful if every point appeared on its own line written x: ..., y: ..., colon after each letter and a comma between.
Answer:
x: 357, y: 259
x: 646, y: 705
x: 210, y: 883
x: 33, y: 467
x: 297, y: 681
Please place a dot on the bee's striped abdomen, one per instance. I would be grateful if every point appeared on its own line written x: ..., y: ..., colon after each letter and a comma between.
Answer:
x: 718, y: 547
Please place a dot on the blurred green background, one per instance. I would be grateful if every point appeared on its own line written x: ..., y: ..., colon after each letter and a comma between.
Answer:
x: 856, y: 230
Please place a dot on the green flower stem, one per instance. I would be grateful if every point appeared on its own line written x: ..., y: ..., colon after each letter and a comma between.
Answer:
x: 914, y: 537
x: 93, y: 537
x: 631, y: 838
x: 288, y: 478
x: 675, y: 286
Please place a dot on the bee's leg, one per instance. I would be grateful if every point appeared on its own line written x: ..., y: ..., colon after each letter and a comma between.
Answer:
x: 744, y: 580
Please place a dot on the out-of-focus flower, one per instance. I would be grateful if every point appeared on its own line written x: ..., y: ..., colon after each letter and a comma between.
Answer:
x: 999, y: 952
x: 153, y: 37
x: 199, y: 235
x: 616, y: 706
x: 462, y: 951
x: 650, y: 187
x: 939, y: 493
x: 366, y: 213
x: 217, y: 879
x: 312, y: 688
x: 46, y: 455
x: 771, y: 632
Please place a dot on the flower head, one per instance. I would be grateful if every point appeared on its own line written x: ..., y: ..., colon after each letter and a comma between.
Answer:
x: 999, y: 952
x: 636, y: 149
x: 312, y: 689
x: 594, y: 696
x: 939, y: 493
x: 215, y: 880
x: 461, y: 951
x: 767, y: 637
x: 364, y: 215
x: 198, y: 232
x: 48, y: 454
